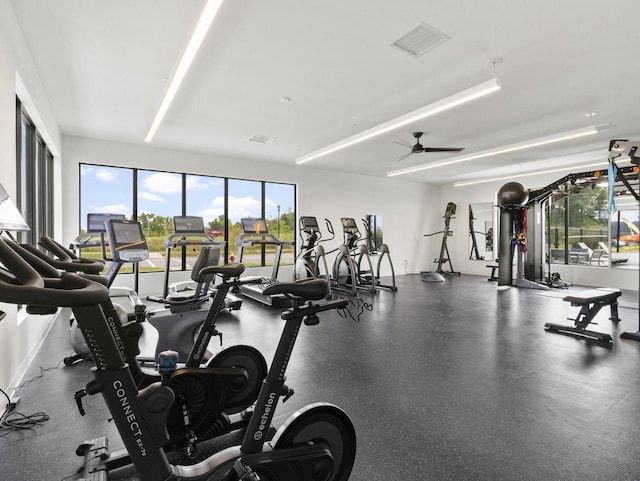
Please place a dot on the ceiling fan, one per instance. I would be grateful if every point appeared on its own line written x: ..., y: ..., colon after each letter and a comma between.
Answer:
x: 418, y: 147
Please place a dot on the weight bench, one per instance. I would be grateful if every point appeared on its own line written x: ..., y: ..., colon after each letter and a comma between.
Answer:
x: 590, y: 303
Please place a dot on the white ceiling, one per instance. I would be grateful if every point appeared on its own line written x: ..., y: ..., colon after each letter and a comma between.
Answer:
x: 104, y: 67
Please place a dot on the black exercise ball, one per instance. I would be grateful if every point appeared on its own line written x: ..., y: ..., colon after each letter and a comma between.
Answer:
x: 513, y: 193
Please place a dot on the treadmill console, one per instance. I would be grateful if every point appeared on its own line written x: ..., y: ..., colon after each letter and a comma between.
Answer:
x: 96, y: 222
x: 188, y: 224
x: 254, y: 226
x: 127, y: 240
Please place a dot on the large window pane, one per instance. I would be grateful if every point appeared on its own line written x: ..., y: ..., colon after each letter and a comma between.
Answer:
x: 588, y: 226
x: 159, y: 200
x: 205, y: 198
x: 244, y: 200
x: 26, y: 170
x: 279, y: 206
x: 107, y: 190
x: 34, y: 168
x: 625, y: 233
x: 555, y: 231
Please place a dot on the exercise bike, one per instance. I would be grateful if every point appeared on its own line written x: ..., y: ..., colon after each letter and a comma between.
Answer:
x: 317, y: 443
x: 180, y: 318
x: 211, y: 400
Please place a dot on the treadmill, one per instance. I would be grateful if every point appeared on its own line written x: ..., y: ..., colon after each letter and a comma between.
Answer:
x: 96, y: 233
x: 255, y: 233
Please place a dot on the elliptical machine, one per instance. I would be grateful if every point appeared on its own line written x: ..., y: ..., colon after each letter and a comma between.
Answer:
x: 348, y: 275
x: 382, y: 251
x: 316, y: 444
x: 311, y: 261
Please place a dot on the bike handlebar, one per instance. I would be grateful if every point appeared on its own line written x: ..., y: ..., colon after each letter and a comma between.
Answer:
x: 67, y: 260
x: 26, y: 286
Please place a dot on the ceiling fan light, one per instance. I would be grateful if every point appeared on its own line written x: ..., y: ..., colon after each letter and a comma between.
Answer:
x: 549, y: 139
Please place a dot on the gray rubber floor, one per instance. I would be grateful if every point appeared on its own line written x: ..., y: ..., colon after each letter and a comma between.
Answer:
x: 443, y: 381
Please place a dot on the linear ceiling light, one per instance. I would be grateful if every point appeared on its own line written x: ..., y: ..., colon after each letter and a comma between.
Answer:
x: 529, y: 174
x: 550, y: 139
x: 206, y: 19
x: 449, y: 102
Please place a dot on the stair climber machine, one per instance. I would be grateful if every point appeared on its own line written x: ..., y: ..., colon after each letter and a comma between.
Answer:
x: 444, y: 257
x: 255, y: 233
x: 318, y: 443
x: 189, y: 231
x: 211, y: 400
x: 311, y: 261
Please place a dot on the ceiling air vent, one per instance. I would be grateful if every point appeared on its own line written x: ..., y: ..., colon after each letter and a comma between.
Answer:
x: 420, y: 40
x: 261, y: 139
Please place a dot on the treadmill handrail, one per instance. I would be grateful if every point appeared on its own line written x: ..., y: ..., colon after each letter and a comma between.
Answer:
x: 258, y: 238
x: 191, y: 239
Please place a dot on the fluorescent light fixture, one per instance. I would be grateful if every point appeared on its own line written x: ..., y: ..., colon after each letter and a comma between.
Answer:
x: 454, y: 100
x: 538, y: 172
x: 550, y: 139
x: 206, y: 19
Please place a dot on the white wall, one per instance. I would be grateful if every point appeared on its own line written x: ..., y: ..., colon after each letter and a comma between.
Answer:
x: 459, y: 243
x: 320, y: 193
x: 20, y: 335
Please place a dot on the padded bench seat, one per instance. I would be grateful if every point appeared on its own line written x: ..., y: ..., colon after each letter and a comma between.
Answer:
x: 590, y: 303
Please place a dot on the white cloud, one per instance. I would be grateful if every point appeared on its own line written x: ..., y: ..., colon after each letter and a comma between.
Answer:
x: 106, y: 175
x: 215, y: 210
x: 163, y: 183
x: 197, y: 183
x: 85, y: 169
x: 243, y: 207
x: 238, y: 207
x: 111, y: 209
x: 151, y: 197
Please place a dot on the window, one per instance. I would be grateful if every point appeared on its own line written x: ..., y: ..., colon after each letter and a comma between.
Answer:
x: 159, y: 199
x: 159, y: 196
x: 34, y: 165
x: 105, y: 190
x: 280, y: 215
x: 204, y: 197
x: 245, y: 200
x: 581, y: 232
x: 625, y: 233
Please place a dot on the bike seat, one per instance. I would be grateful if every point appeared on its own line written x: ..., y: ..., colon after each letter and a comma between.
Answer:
x: 311, y: 289
x: 228, y: 270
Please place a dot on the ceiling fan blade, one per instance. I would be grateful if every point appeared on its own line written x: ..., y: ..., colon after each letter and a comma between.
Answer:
x: 403, y: 157
x: 443, y: 149
x: 403, y: 143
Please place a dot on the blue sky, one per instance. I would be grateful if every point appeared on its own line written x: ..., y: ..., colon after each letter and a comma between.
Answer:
x: 110, y: 190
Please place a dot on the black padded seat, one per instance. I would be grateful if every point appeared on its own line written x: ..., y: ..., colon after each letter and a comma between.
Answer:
x: 311, y: 289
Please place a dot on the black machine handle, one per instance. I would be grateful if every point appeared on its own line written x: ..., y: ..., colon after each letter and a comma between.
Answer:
x: 67, y: 260
x: 22, y: 284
